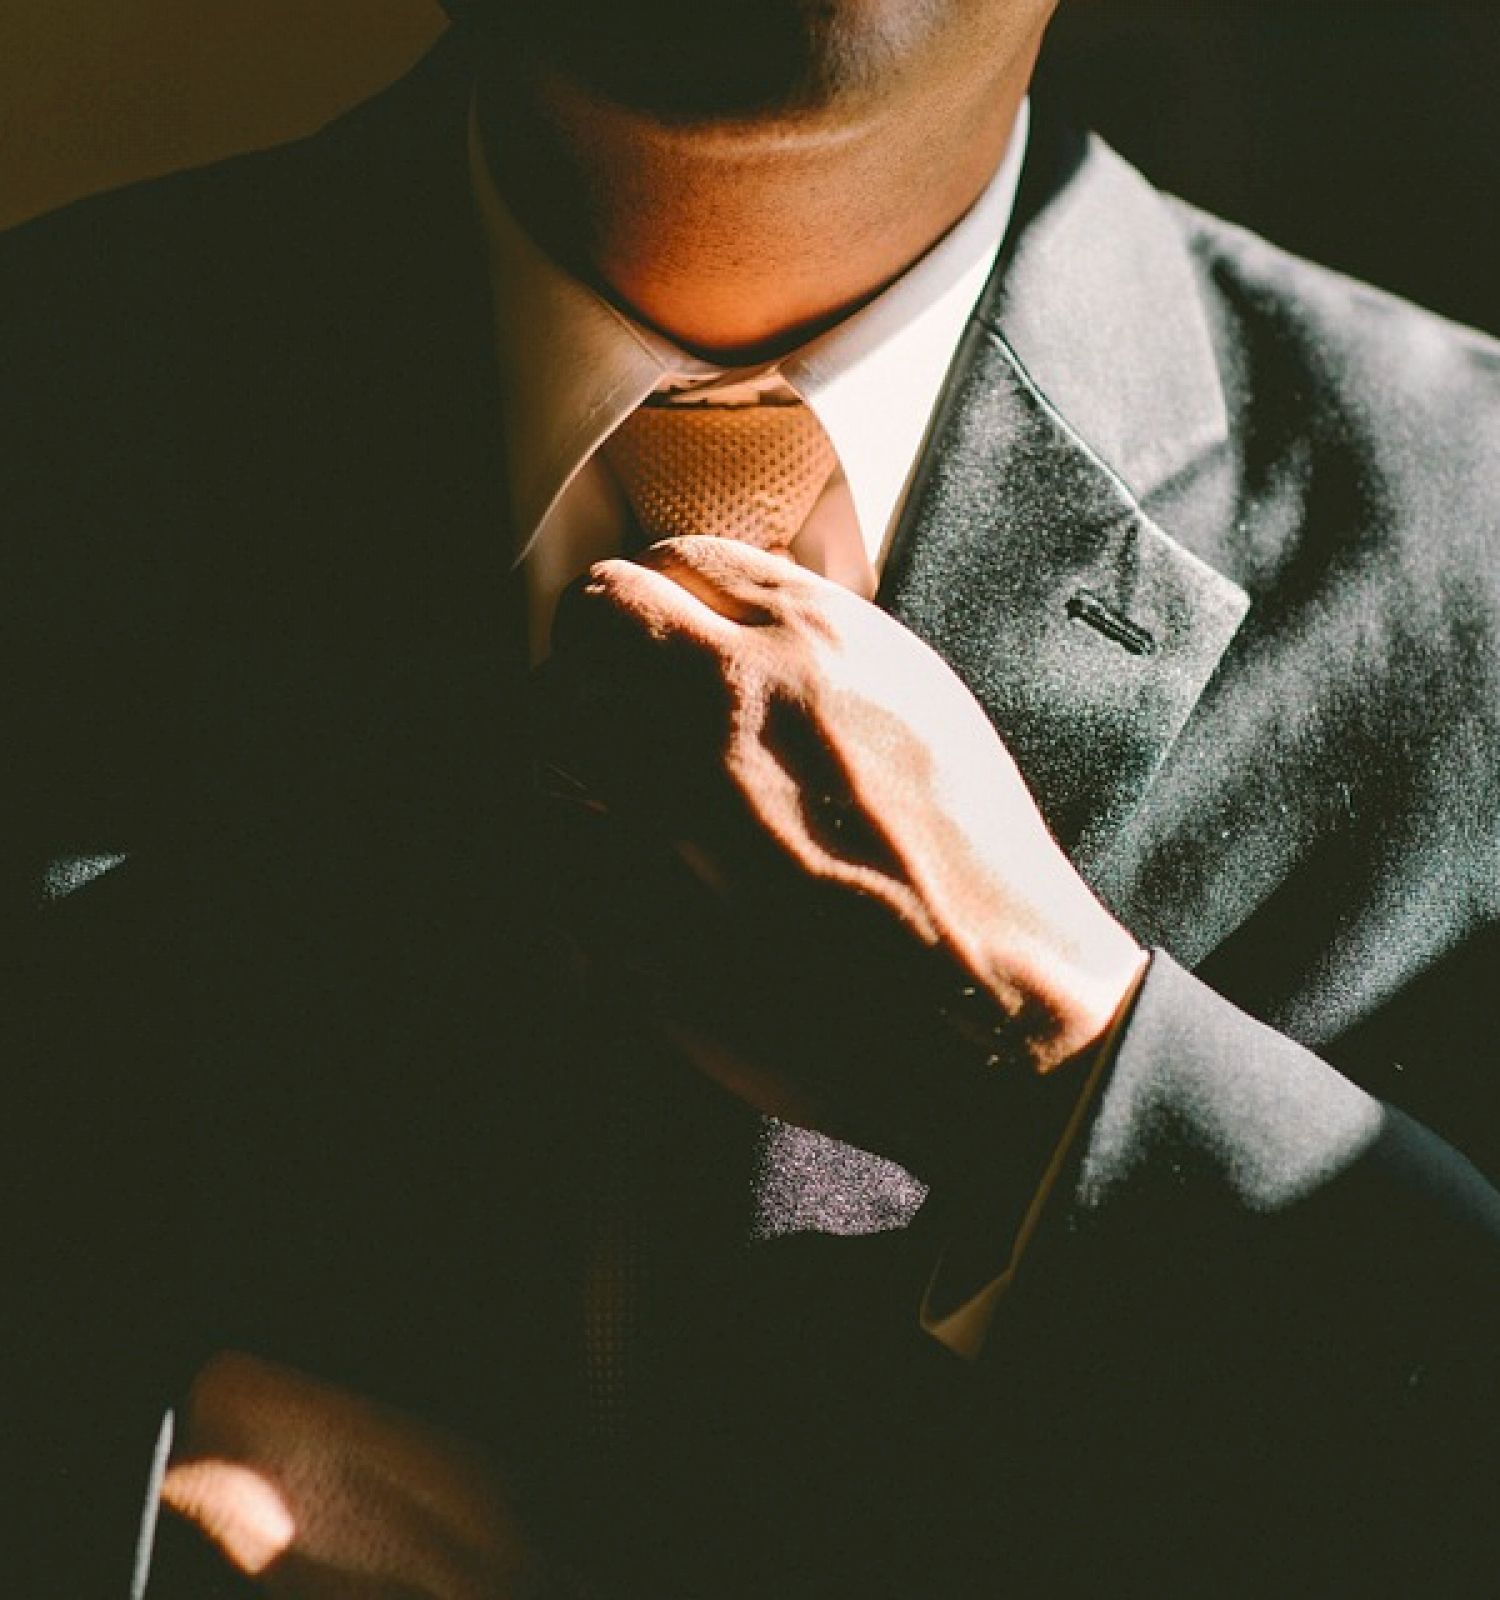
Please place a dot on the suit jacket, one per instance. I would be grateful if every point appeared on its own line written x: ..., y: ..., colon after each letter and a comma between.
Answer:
x: 293, y: 1066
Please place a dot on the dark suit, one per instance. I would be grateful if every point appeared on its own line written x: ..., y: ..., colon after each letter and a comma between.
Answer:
x: 1212, y: 536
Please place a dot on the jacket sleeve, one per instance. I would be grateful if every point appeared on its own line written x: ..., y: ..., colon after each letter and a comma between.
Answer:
x: 1263, y: 1313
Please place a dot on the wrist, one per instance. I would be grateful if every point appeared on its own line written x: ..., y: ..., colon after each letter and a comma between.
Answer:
x: 1078, y: 1001
x: 1036, y: 1009
x: 1023, y: 1058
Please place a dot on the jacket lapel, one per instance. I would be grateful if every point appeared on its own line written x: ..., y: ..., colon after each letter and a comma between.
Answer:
x: 1086, y: 385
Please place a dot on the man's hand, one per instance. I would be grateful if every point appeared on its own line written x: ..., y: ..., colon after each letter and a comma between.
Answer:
x: 318, y: 1493
x: 870, y: 869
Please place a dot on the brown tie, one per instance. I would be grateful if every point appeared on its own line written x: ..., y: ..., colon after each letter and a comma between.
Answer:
x: 752, y: 473
x: 742, y: 472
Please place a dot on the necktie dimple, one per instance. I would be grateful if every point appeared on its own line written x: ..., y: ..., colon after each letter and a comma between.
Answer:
x: 751, y: 472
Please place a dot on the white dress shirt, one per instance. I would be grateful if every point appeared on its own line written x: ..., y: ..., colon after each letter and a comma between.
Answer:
x: 573, y: 367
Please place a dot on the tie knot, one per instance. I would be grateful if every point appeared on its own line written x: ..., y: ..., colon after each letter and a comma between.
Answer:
x: 751, y: 473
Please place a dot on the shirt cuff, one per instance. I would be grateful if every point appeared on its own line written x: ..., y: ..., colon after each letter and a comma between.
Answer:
x: 985, y: 1245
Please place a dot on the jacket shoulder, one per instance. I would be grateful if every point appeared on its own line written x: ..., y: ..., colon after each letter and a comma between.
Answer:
x: 163, y: 287
x: 1365, y: 524
x: 1423, y: 389
x: 227, y: 399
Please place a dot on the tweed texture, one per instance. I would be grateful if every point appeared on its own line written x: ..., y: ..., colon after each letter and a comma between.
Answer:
x: 750, y: 473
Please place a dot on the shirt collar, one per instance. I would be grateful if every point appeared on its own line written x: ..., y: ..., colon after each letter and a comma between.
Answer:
x: 573, y: 366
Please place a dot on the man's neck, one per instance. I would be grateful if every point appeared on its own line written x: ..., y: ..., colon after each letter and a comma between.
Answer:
x: 742, y: 239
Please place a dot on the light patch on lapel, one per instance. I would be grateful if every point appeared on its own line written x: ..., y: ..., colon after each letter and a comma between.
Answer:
x: 806, y: 1182
x: 68, y: 874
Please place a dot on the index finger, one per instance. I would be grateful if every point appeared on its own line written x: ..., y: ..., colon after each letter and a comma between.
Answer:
x: 647, y: 601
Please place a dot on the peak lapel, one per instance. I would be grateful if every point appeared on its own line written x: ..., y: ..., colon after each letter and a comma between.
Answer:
x: 1085, y: 382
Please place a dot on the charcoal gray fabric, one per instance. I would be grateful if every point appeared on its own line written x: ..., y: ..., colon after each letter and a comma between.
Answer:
x: 1212, y: 536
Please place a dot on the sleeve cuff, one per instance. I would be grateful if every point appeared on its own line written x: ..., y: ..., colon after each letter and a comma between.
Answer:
x: 971, y: 1276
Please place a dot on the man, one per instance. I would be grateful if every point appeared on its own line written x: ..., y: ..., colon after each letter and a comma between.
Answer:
x: 379, y: 1017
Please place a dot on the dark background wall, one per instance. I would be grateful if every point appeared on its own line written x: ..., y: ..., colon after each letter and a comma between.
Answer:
x: 1362, y: 132
x: 94, y: 93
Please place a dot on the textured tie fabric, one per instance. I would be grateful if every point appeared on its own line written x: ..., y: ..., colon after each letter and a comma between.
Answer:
x: 746, y: 472
x: 616, y: 1285
x: 750, y: 472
